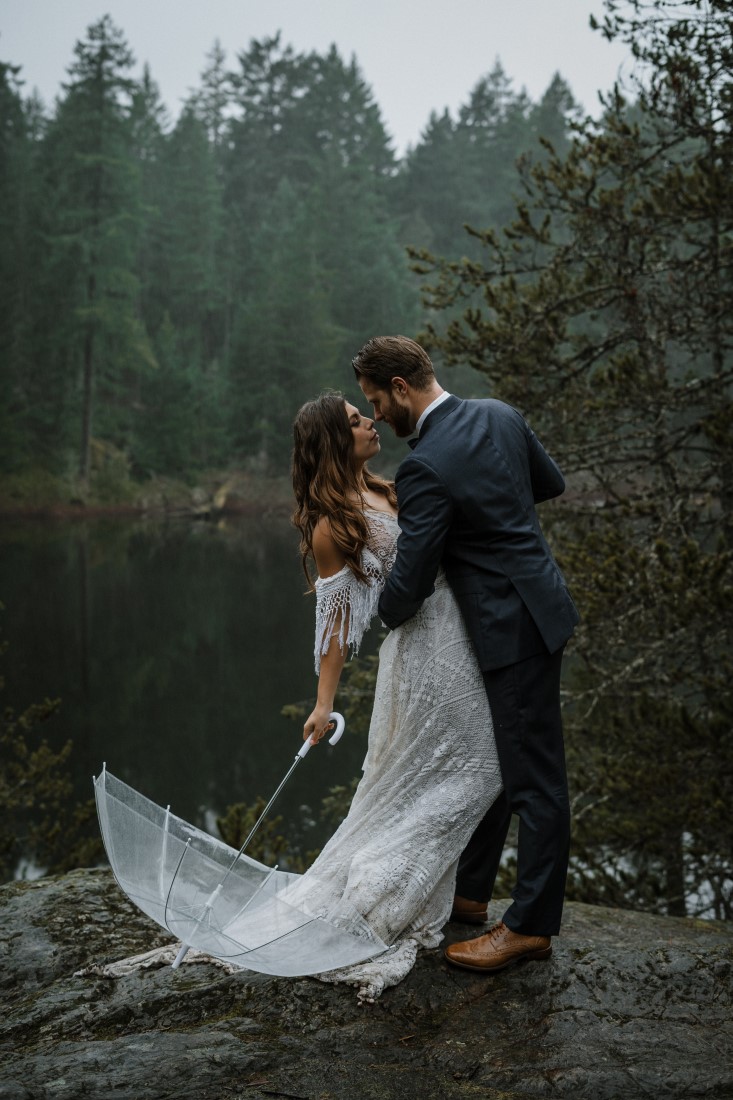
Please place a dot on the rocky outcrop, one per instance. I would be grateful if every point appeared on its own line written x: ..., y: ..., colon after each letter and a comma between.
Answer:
x: 628, y: 1006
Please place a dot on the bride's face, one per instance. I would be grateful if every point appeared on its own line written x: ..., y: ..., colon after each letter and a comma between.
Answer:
x: 364, y: 434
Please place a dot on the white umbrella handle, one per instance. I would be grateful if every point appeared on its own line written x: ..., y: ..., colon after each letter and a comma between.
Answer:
x: 340, y: 726
x: 335, y: 737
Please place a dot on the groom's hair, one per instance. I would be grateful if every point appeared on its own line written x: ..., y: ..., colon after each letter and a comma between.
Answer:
x: 386, y: 357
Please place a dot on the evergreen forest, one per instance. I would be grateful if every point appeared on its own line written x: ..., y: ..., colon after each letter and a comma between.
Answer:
x: 173, y: 291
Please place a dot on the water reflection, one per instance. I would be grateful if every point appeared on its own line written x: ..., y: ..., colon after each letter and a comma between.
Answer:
x: 173, y: 646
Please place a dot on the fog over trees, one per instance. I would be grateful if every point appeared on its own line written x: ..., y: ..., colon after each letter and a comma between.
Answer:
x: 176, y: 288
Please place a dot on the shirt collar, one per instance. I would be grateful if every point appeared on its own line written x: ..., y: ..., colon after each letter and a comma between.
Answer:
x: 433, y: 405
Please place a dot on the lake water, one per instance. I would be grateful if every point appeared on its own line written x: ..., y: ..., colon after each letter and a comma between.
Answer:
x: 173, y: 647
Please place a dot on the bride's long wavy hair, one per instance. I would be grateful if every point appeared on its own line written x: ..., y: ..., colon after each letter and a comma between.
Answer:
x: 326, y: 483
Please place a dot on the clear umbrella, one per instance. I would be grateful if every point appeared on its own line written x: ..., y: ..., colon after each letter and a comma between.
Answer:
x: 221, y: 901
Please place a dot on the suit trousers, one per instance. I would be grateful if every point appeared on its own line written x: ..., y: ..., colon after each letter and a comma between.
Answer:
x: 525, y: 707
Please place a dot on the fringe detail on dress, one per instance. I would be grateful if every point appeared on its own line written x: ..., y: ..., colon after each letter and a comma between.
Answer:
x: 346, y: 606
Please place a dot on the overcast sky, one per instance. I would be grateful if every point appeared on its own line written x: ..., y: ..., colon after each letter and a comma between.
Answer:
x: 417, y: 55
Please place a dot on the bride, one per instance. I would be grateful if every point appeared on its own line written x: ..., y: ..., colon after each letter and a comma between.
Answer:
x: 384, y: 883
x: 431, y: 769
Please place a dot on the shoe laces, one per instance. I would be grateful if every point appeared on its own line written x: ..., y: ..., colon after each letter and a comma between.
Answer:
x: 497, y: 931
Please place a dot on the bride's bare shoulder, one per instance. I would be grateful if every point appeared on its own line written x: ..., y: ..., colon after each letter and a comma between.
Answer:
x: 329, y: 557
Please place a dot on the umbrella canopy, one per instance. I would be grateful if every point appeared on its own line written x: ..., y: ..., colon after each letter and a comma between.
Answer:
x: 220, y: 901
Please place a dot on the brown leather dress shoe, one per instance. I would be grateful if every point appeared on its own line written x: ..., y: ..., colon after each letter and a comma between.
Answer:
x: 499, y: 948
x: 468, y: 912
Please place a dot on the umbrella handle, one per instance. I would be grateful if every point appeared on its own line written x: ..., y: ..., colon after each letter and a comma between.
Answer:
x: 340, y: 726
x: 335, y: 737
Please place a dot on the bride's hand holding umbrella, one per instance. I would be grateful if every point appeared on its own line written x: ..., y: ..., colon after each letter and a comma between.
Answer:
x: 318, y: 723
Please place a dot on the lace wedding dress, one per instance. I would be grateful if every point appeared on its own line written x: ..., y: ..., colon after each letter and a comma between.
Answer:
x: 431, y: 769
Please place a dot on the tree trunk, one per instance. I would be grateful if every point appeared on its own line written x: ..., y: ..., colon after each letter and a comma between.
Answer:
x: 87, y: 394
x: 675, y: 878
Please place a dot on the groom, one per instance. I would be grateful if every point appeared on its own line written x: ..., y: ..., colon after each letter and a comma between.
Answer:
x: 466, y: 499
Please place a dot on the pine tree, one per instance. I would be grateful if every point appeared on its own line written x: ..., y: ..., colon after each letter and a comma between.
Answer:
x: 92, y: 223
x: 338, y: 119
x: 285, y: 344
x: 149, y: 123
x: 491, y: 133
x: 20, y: 131
x: 264, y: 145
x: 211, y: 102
x: 465, y: 171
x: 602, y: 311
x: 186, y: 399
x: 349, y: 166
x: 308, y: 175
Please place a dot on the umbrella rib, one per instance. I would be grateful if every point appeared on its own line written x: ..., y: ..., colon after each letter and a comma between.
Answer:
x: 250, y: 899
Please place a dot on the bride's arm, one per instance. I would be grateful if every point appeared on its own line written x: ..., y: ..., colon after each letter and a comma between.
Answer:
x: 317, y: 723
x: 329, y: 560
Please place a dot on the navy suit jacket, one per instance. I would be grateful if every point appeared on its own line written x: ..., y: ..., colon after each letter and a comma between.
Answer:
x: 467, y: 496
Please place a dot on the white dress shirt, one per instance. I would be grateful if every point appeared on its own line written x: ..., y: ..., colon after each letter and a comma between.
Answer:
x: 426, y: 412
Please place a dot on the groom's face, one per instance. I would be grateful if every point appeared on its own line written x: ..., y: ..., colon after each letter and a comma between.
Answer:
x: 391, y: 406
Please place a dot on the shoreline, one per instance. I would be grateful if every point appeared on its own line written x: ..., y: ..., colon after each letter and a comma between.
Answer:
x: 214, y: 494
x: 63, y: 513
